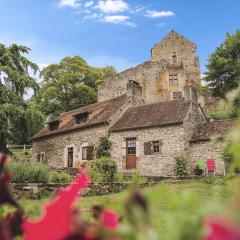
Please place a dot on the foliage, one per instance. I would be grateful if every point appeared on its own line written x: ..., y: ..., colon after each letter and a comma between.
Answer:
x: 137, y: 178
x: 203, y: 90
x: 28, y: 172
x: 227, y: 155
x: 180, y: 168
x: 103, y: 169
x: 224, y: 66
x: 19, y: 119
x: 60, y: 177
x: 68, y: 85
x: 103, y: 147
x: 217, y: 180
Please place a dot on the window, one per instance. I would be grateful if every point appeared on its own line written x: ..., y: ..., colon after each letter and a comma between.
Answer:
x: 153, y: 147
x: 84, y: 153
x: 81, y: 118
x: 156, y: 147
x: 53, y: 125
x: 87, y: 153
x: 70, y: 157
x: 174, y: 58
x: 41, y: 157
x: 131, y: 146
x: 173, y: 79
x: 177, y: 95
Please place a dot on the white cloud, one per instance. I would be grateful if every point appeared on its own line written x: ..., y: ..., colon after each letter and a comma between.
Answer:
x: 69, y: 3
x: 159, y: 14
x: 137, y: 9
x: 115, y: 19
x: 93, y: 16
x: 88, y: 4
x: 112, y: 6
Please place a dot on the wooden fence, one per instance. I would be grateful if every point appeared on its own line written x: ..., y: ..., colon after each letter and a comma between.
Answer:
x: 23, y: 148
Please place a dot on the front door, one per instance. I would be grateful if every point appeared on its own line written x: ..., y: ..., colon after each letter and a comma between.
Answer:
x: 131, y: 153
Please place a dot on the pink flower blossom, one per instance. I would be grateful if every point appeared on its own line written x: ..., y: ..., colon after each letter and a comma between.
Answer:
x: 55, y: 223
x: 221, y: 229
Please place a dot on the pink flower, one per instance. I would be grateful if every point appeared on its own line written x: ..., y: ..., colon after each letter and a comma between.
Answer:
x: 55, y: 223
x: 110, y: 219
x: 221, y: 229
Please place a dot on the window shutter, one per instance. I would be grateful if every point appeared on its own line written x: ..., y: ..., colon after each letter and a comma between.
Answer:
x: 147, y: 148
x: 90, y: 154
x: 161, y: 147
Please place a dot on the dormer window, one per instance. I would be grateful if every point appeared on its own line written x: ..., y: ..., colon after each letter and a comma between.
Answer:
x: 174, y: 58
x: 53, y: 125
x: 81, y: 118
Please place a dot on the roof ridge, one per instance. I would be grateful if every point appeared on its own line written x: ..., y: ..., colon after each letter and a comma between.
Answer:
x: 162, y: 102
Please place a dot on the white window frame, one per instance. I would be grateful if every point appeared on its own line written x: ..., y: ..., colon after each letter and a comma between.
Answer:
x: 66, y: 155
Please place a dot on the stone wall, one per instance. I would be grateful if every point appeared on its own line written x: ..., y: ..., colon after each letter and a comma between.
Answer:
x: 150, y: 165
x: 210, y: 104
x: 40, y: 190
x: 206, y: 149
x: 192, y: 119
x: 153, y: 75
x: 175, y: 141
x: 55, y: 147
x: 182, y: 48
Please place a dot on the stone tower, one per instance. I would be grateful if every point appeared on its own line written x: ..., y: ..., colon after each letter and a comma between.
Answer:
x: 173, y: 65
x: 177, y: 50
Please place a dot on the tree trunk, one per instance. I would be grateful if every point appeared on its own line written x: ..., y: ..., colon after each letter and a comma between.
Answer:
x: 3, y: 145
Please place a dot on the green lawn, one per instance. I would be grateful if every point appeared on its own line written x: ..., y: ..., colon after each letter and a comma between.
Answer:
x: 174, y: 207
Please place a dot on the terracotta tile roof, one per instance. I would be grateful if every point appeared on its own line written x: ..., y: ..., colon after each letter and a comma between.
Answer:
x: 156, y: 114
x: 99, y: 113
x: 206, y: 131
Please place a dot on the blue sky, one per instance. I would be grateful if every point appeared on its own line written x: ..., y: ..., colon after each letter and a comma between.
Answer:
x: 113, y: 32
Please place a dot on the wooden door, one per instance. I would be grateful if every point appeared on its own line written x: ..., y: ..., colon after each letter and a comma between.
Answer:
x: 131, y: 153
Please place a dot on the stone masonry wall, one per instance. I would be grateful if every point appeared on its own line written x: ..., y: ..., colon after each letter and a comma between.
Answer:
x: 185, y: 51
x: 150, y: 165
x: 153, y: 75
x: 55, y: 147
x: 206, y: 149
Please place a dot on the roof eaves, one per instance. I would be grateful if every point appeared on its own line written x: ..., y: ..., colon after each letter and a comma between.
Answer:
x: 144, y: 126
x: 57, y: 132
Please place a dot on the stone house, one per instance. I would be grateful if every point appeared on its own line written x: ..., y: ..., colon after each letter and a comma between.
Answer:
x: 150, y: 114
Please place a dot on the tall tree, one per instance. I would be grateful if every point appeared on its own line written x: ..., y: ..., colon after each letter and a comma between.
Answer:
x: 224, y: 66
x: 70, y: 84
x: 18, y: 118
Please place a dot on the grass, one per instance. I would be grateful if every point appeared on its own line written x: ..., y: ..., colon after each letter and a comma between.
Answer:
x: 172, y: 206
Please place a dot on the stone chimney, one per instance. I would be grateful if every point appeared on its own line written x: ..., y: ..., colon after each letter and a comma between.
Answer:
x: 134, y: 92
x: 191, y: 92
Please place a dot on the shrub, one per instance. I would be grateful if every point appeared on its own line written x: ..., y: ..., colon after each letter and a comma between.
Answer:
x: 103, y: 170
x: 60, y: 177
x: 28, y: 172
x: 136, y: 178
x: 103, y: 147
x: 219, y: 180
x: 180, y: 166
x: 228, y: 158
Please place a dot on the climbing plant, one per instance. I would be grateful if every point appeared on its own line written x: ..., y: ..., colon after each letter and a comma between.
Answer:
x: 103, y: 147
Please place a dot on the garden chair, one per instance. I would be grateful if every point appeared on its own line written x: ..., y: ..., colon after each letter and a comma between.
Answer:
x: 211, y: 167
x: 202, y: 166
